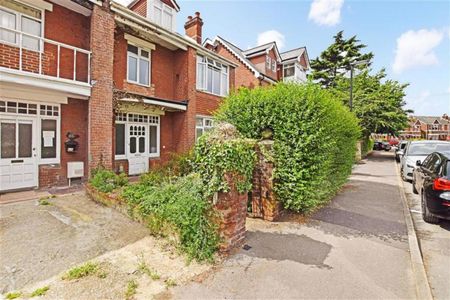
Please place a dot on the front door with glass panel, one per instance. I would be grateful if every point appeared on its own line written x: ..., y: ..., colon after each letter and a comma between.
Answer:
x: 137, y: 149
x: 18, y: 161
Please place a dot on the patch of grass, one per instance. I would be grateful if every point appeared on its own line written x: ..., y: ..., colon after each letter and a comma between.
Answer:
x: 87, y: 269
x: 40, y: 291
x: 131, y: 289
x: 44, y: 202
x: 143, y: 268
x: 102, y: 274
x: 170, y: 282
x: 13, y: 295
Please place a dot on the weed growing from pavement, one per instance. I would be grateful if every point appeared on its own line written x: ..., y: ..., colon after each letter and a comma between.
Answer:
x: 87, y: 269
x: 40, y: 291
x: 131, y: 289
x: 13, y: 295
x: 44, y: 202
x: 143, y: 268
x: 170, y: 282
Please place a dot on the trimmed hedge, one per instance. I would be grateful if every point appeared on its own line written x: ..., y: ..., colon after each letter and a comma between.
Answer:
x: 314, y: 138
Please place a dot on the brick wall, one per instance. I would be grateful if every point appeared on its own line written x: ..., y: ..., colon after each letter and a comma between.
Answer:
x: 265, y: 204
x: 232, y: 209
x: 100, y: 104
x: 140, y: 7
x: 61, y: 25
x: 73, y: 119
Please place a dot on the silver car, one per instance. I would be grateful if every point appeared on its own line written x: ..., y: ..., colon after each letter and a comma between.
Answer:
x: 417, y: 151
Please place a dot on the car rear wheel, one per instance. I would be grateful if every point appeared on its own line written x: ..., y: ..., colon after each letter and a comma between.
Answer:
x: 427, y: 217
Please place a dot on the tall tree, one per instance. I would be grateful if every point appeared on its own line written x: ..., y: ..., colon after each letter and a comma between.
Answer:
x: 377, y: 102
x: 335, y: 61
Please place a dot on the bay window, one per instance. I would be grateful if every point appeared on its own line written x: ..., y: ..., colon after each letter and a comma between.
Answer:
x: 212, y: 76
x: 22, y: 18
x: 289, y: 70
x: 138, y: 66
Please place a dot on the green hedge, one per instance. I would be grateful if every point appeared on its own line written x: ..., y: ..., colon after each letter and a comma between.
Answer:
x: 366, y: 146
x: 314, y: 138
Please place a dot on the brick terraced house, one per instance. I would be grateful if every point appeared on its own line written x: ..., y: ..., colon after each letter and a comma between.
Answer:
x: 90, y: 82
x: 427, y: 127
x: 263, y: 65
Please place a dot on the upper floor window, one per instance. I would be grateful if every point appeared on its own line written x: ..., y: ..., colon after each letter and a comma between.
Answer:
x: 212, y: 76
x: 289, y: 70
x: 274, y: 65
x: 16, y: 18
x: 163, y: 15
x: 268, y: 62
x: 138, y: 66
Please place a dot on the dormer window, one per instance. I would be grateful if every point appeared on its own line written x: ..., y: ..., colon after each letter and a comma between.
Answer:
x: 163, y: 15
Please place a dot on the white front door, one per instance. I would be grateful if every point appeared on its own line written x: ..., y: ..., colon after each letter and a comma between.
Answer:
x: 137, y: 149
x: 18, y: 161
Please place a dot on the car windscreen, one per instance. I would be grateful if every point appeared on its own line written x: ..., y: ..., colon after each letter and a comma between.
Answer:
x: 422, y: 149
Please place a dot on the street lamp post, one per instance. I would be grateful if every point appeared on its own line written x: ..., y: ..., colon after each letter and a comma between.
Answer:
x: 352, y: 66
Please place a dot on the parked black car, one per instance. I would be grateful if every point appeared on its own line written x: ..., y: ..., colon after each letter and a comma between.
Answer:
x: 381, y: 146
x: 431, y: 179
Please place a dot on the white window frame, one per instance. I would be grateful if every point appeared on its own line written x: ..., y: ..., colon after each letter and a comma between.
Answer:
x: 203, y: 127
x: 147, y: 124
x: 163, y: 8
x: 274, y: 65
x: 139, y: 57
x: 18, y: 27
x: 224, y: 71
x: 268, y: 62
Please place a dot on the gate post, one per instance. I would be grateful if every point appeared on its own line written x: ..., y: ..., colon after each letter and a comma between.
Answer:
x: 232, y: 208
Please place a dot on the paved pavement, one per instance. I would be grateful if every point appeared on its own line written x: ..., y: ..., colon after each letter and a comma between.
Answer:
x: 435, y: 246
x: 356, y: 247
x: 40, y: 241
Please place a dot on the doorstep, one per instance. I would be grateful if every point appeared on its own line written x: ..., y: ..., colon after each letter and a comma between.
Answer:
x: 13, y: 197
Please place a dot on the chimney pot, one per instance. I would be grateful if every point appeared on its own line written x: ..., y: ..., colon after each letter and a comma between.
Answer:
x: 193, y: 27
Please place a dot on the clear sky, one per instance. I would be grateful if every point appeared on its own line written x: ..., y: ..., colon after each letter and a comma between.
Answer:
x: 411, y: 39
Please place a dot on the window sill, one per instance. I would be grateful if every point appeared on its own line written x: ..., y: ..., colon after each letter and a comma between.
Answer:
x: 212, y: 94
x: 139, y: 84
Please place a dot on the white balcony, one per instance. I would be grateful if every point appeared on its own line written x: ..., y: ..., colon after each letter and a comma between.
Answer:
x: 33, y: 60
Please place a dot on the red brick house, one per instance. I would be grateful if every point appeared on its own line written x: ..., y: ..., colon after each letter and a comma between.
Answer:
x: 427, y: 127
x: 263, y: 65
x: 88, y: 82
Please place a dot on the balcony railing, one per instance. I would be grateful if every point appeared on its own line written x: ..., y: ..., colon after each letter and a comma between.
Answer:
x: 30, y: 53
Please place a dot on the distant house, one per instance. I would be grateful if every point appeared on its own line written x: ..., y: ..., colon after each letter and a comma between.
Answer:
x: 427, y: 127
x: 264, y: 64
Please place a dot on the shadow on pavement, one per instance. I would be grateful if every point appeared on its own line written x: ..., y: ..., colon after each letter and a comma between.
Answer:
x: 277, y: 246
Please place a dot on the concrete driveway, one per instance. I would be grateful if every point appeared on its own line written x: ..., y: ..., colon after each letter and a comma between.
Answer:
x: 355, y: 248
x: 40, y: 241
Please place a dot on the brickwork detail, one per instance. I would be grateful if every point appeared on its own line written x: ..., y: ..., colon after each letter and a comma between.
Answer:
x: 264, y: 202
x: 232, y: 208
x: 101, y: 105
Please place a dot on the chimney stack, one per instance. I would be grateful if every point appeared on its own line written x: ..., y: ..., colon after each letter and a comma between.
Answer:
x: 193, y: 27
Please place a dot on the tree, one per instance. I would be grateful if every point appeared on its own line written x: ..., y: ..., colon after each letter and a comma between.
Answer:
x: 335, y: 61
x: 377, y: 102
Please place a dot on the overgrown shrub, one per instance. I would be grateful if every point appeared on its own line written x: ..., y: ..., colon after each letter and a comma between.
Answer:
x: 366, y: 145
x: 222, y: 151
x: 314, y: 138
x: 178, y: 165
x: 179, y: 207
x: 106, y: 181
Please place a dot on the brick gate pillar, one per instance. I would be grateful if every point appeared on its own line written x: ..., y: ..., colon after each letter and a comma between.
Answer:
x: 264, y: 202
x: 101, y: 101
x: 232, y: 209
